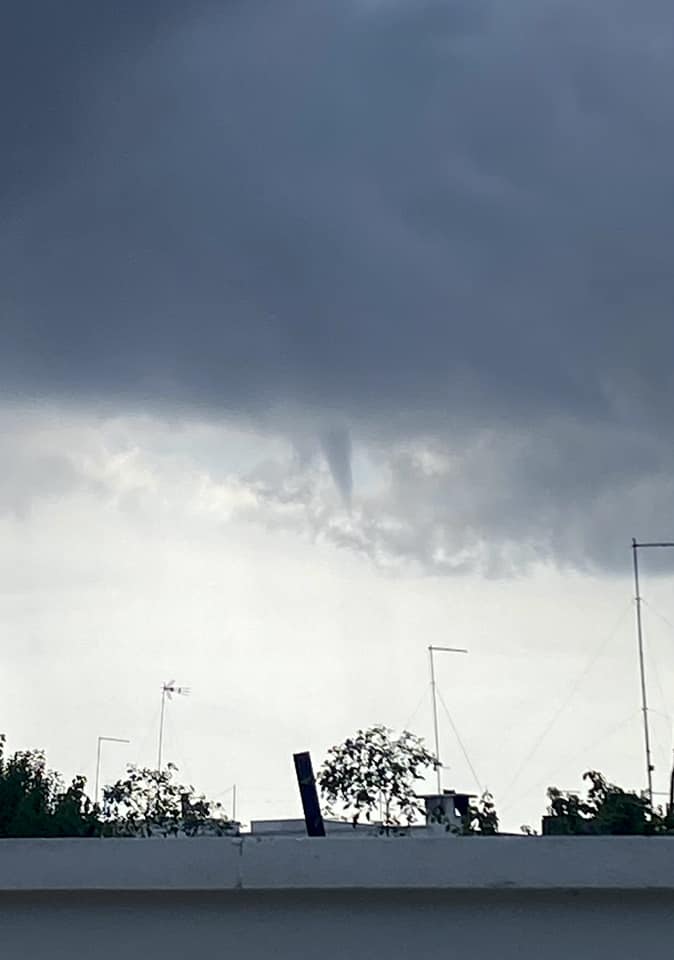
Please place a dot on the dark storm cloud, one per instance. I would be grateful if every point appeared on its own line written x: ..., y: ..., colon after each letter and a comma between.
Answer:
x: 433, y: 218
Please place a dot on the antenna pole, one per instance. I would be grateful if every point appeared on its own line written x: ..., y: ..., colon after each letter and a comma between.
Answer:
x: 642, y: 672
x: 167, y: 690
x: 434, y: 694
x: 435, y: 720
x: 161, y: 726
x: 98, y: 769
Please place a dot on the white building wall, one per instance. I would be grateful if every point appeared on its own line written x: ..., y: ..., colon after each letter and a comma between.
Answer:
x: 548, y: 899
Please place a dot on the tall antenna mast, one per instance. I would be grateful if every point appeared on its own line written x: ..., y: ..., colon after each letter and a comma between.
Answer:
x: 167, y: 690
x: 431, y: 651
x: 636, y: 546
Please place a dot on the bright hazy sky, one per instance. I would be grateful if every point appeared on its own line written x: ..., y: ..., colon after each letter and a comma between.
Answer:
x: 329, y: 331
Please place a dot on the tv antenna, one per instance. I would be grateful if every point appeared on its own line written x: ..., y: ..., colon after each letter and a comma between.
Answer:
x: 168, y: 690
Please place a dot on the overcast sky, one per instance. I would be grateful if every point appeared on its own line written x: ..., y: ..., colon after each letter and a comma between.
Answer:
x: 328, y: 331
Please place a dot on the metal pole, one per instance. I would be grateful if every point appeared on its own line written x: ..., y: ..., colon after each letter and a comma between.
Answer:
x: 435, y: 720
x: 431, y: 650
x: 161, y: 726
x: 167, y: 690
x: 101, y: 740
x: 234, y: 803
x: 98, y: 769
x: 642, y: 672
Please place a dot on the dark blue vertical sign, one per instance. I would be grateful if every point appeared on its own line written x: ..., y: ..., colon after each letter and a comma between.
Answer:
x: 307, y: 784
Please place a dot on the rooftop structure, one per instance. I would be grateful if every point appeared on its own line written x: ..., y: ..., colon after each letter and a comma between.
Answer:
x: 394, y: 898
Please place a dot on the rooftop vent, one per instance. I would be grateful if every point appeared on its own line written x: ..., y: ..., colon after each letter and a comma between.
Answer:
x: 445, y: 811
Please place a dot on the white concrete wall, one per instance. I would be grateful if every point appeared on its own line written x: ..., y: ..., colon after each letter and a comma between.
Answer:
x: 500, y: 898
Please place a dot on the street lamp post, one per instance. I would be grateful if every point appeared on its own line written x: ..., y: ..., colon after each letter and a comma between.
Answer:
x: 102, y: 740
x: 431, y: 651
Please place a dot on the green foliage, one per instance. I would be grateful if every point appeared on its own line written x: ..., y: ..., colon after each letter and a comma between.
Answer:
x: 606, y: 809
x: 373, y: 775
x: 481, y: 817
x: 148, y: 802
x: 35, y: 803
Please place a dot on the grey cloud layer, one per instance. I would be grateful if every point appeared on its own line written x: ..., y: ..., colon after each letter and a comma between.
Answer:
x: 424, y: 218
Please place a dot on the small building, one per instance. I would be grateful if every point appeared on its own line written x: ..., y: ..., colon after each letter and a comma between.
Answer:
x: 444, y: 813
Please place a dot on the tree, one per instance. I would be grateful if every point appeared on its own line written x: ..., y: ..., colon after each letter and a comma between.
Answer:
x: 34, y: 802
x: 374, y: 774
x: 481, y: 816
x: 148, y: 802
x: 606, y: 809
